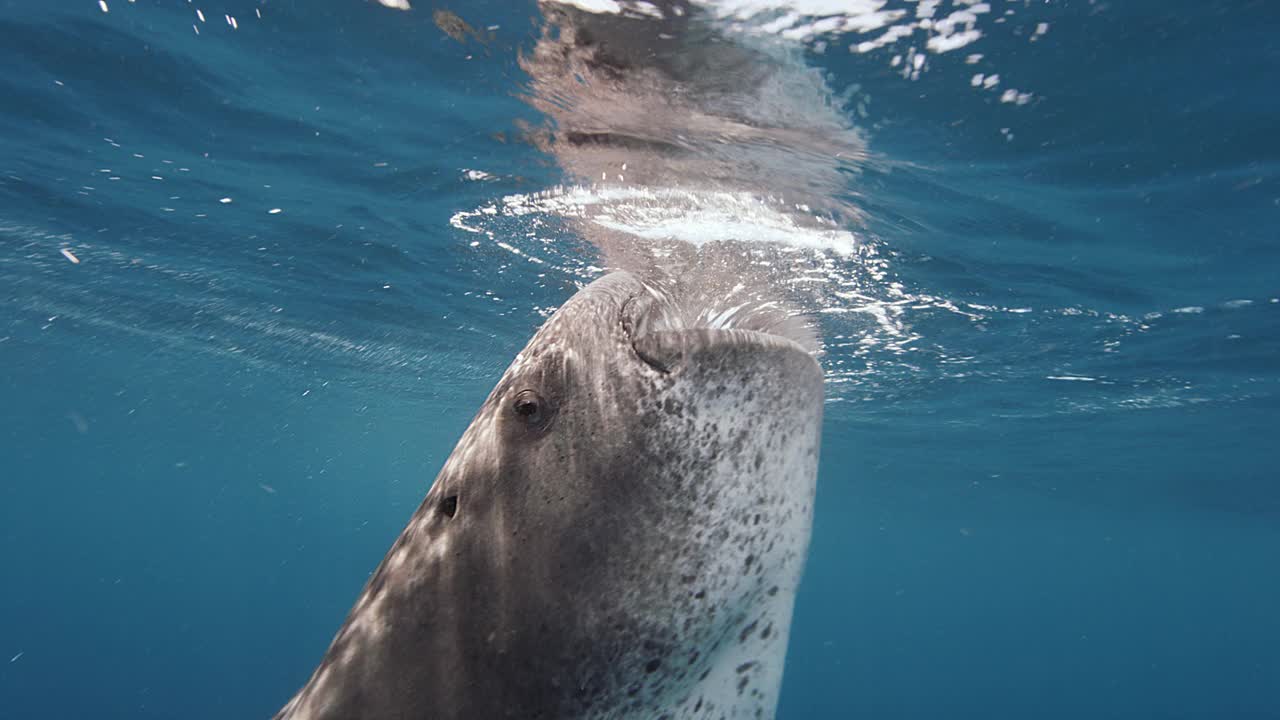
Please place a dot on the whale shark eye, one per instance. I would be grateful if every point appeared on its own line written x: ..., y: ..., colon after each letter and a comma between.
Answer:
x: 530, y: 407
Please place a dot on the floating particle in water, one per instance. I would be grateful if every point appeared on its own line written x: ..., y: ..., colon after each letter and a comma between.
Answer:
x: 1013, y: 96
x: 66, y: 253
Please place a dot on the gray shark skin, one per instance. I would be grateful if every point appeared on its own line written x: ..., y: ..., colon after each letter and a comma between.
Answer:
x: 618, y: 534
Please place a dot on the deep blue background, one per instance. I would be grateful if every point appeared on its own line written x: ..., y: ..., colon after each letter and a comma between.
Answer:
x: 213, y: 426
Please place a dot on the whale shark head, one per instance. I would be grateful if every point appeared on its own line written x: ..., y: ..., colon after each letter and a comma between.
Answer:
x: 619, y: 532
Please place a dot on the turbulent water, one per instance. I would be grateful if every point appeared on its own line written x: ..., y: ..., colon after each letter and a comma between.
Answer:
x: 260, y: 261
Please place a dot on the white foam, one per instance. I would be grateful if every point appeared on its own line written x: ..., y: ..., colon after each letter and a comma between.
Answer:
x: 693, y: 216
x: 918, y: 27
x: 594, y: 6
x: 698, y: 217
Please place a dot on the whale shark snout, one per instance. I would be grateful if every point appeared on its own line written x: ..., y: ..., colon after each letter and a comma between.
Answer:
x: 618, y: 534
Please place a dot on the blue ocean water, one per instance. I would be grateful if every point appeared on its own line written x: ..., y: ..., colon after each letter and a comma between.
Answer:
x: 239, y: 334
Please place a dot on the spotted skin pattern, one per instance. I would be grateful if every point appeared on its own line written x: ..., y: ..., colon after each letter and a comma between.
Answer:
x: 618, y: 534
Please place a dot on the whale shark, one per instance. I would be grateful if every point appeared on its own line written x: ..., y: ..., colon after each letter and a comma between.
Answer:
x: 621, y: 530
x: 619, y: 533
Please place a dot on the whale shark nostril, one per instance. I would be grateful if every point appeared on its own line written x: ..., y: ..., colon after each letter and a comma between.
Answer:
x: 666, y: 324
x: 637, y: 323
x: 448, y: 506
